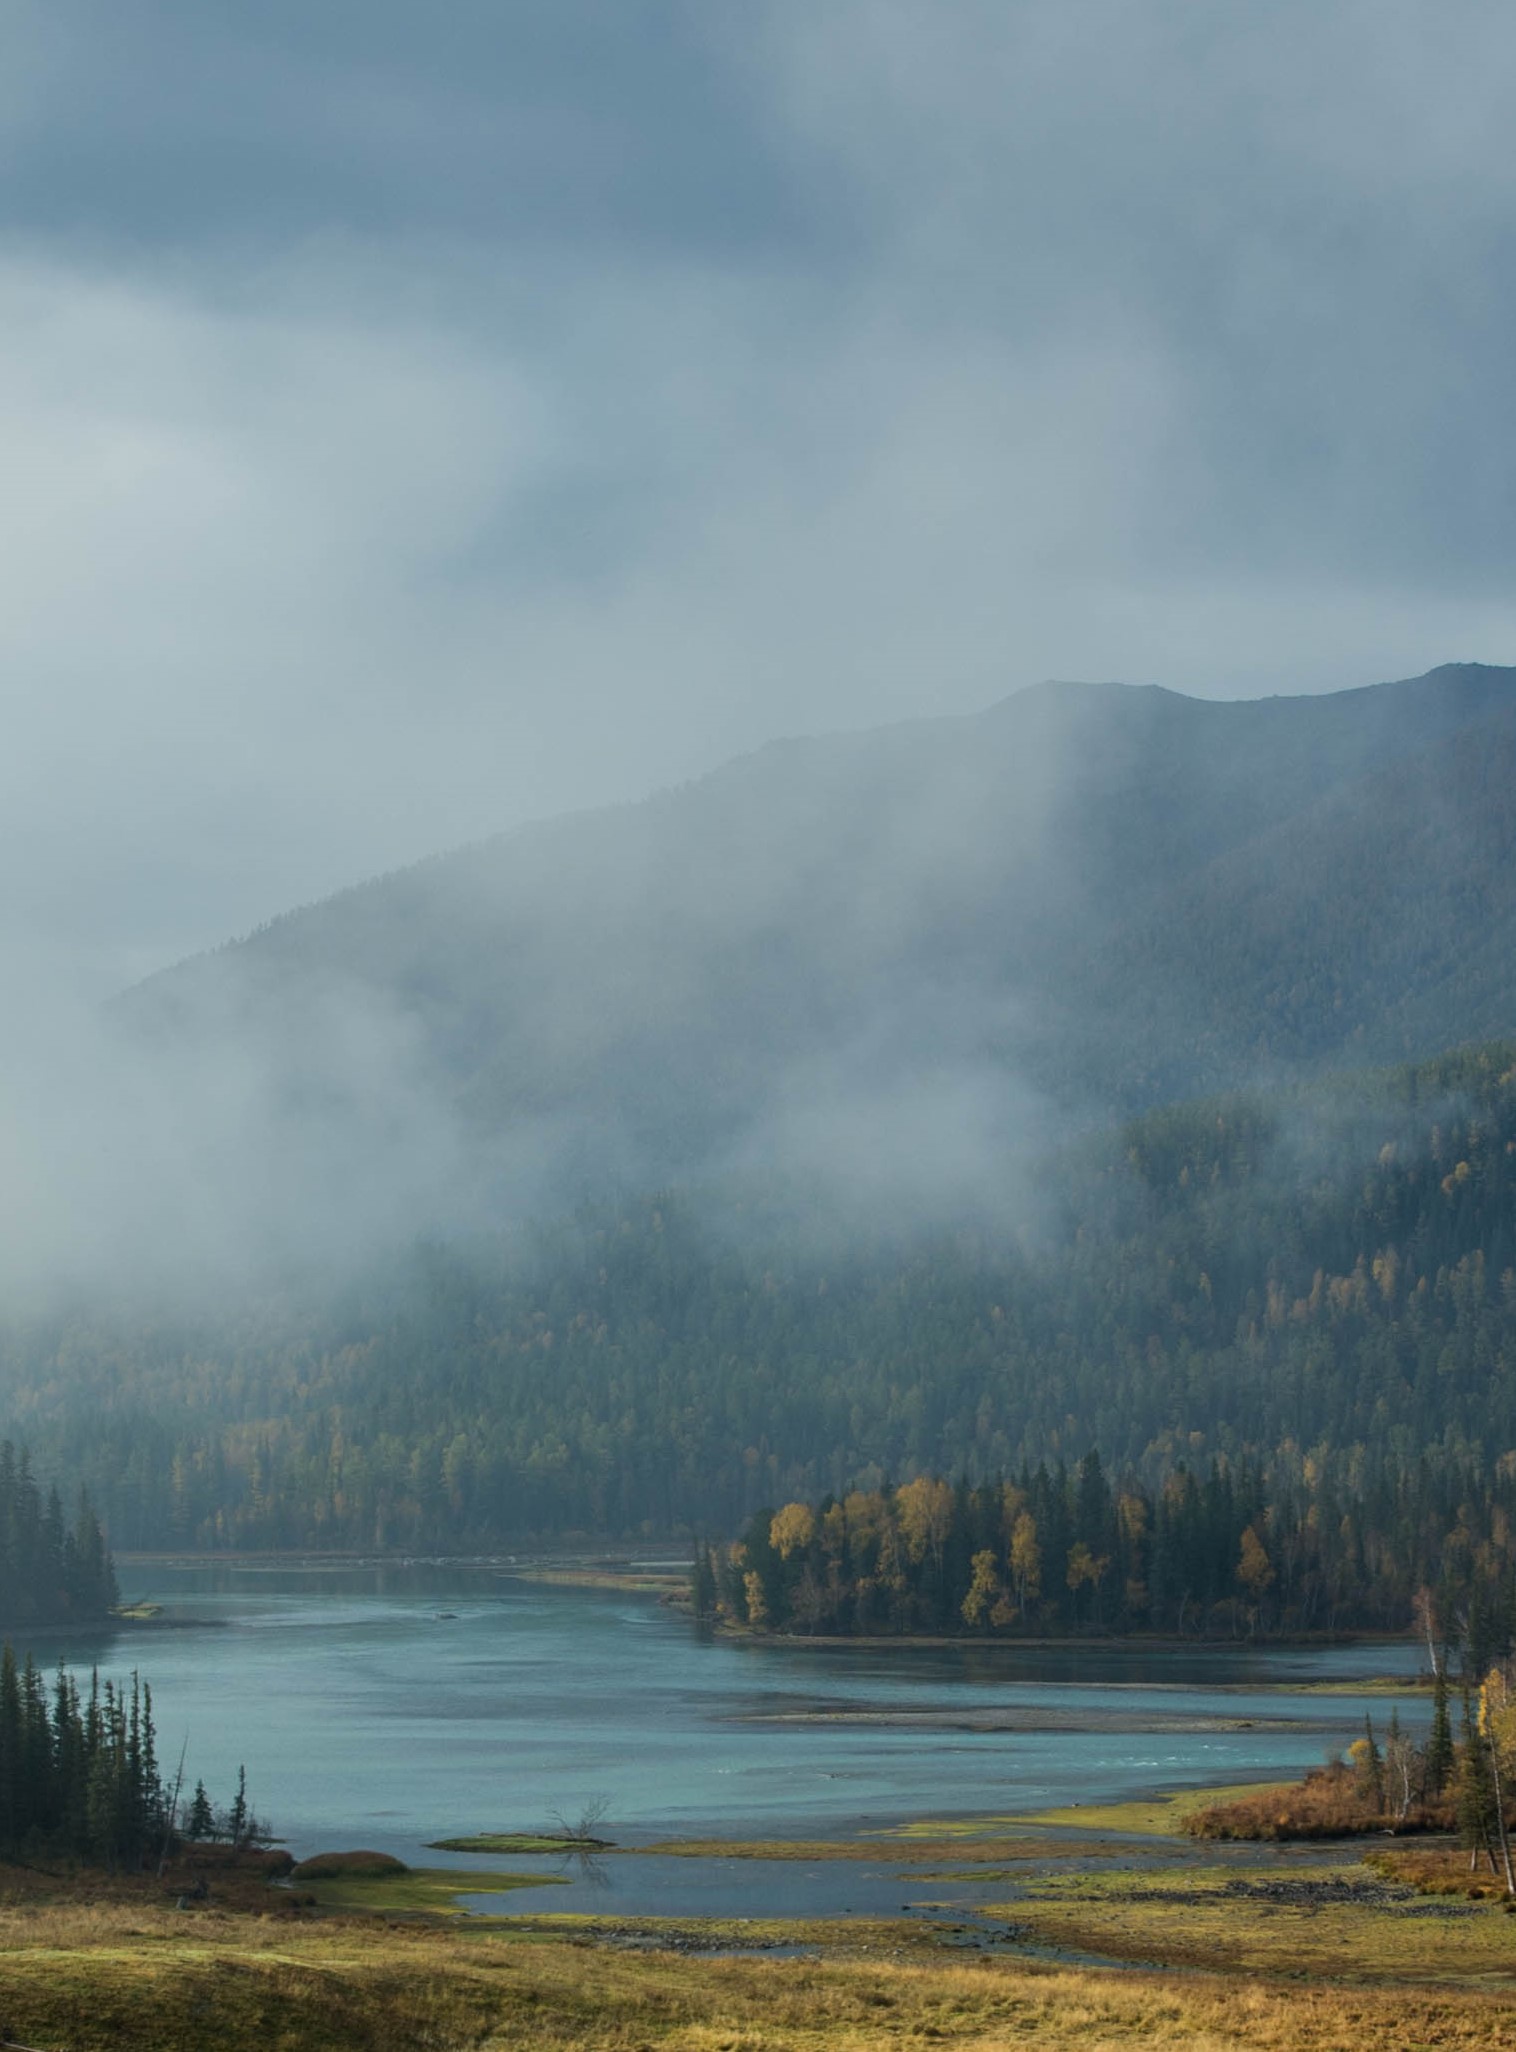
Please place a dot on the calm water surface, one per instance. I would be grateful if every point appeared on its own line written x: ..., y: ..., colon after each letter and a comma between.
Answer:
x: 366, y: 1718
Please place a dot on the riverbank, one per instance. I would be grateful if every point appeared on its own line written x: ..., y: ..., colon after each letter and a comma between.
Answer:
x: 1279, y: 1951
x: 106, y: 1981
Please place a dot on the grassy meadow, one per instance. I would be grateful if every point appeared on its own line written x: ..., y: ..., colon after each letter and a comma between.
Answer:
x: 112, y: 1978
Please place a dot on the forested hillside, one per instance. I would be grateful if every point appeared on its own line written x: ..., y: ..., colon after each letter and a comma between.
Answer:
x: 939, y: 1100
x: 1321, y: 1276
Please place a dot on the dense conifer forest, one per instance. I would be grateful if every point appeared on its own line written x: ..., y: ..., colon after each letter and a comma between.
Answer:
x: 78, y: 1774
x: 1314, y: 1286
x: 50, y: 1573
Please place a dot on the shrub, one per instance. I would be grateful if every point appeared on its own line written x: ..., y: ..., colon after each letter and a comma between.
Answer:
x: 327, y: 1866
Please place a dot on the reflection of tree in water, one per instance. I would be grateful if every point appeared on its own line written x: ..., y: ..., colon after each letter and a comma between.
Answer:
x: 584, y: 1864
x: 581, y: 1859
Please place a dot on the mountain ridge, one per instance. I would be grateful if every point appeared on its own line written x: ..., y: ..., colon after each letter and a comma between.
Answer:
x: 1469, y: 675
x: 1084, y: 900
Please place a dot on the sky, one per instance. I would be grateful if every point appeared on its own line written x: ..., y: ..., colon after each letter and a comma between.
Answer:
x: 416, y: 419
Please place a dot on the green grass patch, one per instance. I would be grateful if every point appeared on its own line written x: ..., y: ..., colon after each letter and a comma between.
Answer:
x: 431, y: 1891
x: 1159, y: 1816
x: 1318, y: 1922
x: 1163, y: 1816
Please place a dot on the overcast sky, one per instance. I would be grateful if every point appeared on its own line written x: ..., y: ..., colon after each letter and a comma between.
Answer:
x: 420, y: 418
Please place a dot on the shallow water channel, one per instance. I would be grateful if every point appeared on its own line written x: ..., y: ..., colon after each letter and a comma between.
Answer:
x: 385, y: 1706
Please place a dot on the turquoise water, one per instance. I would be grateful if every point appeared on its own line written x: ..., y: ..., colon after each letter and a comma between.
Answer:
x: 366, y: 1718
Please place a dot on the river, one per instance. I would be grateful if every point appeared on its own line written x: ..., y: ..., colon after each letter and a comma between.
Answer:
x: 386, y: 1706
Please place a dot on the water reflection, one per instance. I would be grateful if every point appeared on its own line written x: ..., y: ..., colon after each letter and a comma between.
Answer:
x: 588, y: 1869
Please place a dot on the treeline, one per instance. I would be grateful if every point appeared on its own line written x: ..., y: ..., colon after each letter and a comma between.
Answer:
x: 1306, y: 1545
x: 50, y: 1572
x: 1327, y: 1272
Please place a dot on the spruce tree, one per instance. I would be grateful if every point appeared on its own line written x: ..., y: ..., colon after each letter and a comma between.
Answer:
x: 1474, y: 1792
x: 1437, y: 1761
x: 237, y: 1816
x: 201, y: 1821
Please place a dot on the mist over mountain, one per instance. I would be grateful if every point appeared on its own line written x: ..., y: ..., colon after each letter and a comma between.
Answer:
x: 939, y: 1097
x: 892, y: 959
x: 1315, y: 1282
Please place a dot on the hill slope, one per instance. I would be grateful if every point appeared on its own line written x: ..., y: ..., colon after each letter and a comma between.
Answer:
x: 1099, y: 896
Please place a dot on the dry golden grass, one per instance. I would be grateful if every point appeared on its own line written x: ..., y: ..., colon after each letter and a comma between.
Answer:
x: 1440, y: 1870
x: 90, y: 1979
x: 87, y: 1964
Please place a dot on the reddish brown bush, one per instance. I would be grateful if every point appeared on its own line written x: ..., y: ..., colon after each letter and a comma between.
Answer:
x: 1331, y: 1802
